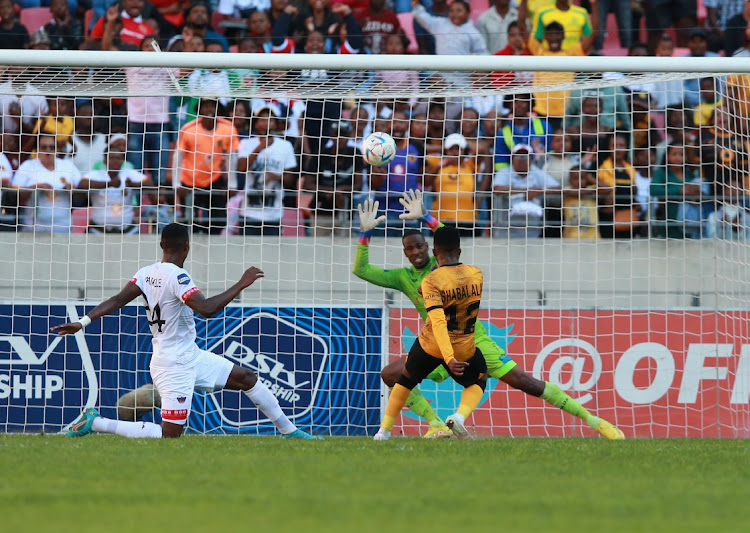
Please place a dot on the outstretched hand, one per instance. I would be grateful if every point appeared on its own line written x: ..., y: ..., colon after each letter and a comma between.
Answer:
x: 67, y: 329
x: 251, y: 275
x: 368, y: 215
x: 414, y: 208
x: 457, y: 367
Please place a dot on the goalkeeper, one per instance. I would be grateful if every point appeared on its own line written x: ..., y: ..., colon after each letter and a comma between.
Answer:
x: 408, y: 281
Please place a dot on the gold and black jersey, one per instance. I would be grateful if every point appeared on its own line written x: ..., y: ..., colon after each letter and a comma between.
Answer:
x: 452, y: 295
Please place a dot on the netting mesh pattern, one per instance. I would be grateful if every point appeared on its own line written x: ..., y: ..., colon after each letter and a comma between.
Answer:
x: 607, y: 211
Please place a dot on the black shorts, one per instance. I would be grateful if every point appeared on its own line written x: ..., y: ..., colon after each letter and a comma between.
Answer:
x: 420, y: 364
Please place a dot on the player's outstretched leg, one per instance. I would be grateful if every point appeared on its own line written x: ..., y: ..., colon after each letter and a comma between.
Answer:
x: 92, y: 422
x: 245, y: 380
x: 552, y: 394
x: 416, y: 402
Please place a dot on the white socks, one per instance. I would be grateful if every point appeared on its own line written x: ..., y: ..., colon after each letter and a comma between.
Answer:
x: 132, y: 430
x: 269, y: 406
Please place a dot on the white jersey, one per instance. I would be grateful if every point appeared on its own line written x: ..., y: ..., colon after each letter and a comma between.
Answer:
x: 165, y: 287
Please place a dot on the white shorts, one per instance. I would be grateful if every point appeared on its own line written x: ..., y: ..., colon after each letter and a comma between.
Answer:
x: 176, y: 384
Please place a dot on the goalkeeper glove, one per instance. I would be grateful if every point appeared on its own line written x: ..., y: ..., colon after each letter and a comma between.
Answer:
x: 368, y: 219
x: 414, y: 208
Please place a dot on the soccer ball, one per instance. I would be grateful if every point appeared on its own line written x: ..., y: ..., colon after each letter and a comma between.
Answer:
x: 378, y: 149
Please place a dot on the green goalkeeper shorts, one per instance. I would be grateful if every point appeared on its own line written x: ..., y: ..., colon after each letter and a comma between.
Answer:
x: 498, y: 362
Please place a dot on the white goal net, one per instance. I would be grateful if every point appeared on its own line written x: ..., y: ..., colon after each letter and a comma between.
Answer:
x: 605, y: 200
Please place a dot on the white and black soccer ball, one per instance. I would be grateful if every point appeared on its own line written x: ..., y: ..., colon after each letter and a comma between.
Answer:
x: 378, y: 149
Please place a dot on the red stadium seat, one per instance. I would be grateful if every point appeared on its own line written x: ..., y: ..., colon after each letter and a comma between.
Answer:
x: 35, y: 17
x: 80, y: 220
x: 216, y: 19
x: 407, y: 24
x: 477, y: 8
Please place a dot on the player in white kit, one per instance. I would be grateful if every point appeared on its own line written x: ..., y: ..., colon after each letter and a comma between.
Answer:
x: 178, y: 366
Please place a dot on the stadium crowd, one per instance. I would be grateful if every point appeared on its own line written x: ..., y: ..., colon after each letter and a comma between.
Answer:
x: 650, y: 159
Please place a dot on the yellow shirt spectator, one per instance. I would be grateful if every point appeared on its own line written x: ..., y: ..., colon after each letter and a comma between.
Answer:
x: 575, y: 21
x: 552, y: 104
x: 456, y: 186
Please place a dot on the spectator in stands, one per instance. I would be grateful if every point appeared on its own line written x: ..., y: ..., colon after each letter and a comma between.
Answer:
x: 44, y: 184
x: 516, y: 46
x: 148, y: 117
x: 561, y: 157
x: 580, y: 201
x: 198, y: 22
x: 259, y: 26
x: 277, y: 8
x: 65, y: 32
x: 403, y: 173
x: 88, y: 144
x: 520, y: 190
x: 13, y: 34
x: 494, y: 25
x: 645, y: 132
x: 402, y: 79
x: 269, y: 162
x: 317, y: 17
x: 663, y: 14
x: 204, y: 146
x: 425, y: 40
x: 6, y: 175
x: 112, y: 194
x: 710, y: 100
x: 718, y: 22
x: 335, y: 173
x: 663, y: 94
x: 239, y: 11
x: 455, y: 36
x: 457, y: 184
x: 587, y: 126
x: 722, y: 150
x: 643, y: 161
x: 377, y: 25
x: 577, y: 28
x: 698, y: 48
x: 614, y: 113
x: 679, y: 190
x: 125, y: 25
x: 678, y: 131
x: 736, y: 26
x: 523, y: 128
x: 731, y: 220
x: 20, y: 114
x: 624, y: 13
x: 58, y: 121
x: 617, y: 189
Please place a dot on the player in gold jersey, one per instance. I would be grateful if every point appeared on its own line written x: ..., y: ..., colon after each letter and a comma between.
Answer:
x: 452, y: 294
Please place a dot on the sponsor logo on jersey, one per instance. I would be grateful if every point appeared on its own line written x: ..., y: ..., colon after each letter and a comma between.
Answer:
x: 183, y: 279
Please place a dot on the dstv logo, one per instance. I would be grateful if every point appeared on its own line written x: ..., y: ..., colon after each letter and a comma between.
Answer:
x: 287, y: 358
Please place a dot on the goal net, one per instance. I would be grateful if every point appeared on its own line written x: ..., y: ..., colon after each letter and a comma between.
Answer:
x: 604, y: 199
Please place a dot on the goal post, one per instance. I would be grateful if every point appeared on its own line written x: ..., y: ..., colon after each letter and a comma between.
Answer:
x: 605, y: 200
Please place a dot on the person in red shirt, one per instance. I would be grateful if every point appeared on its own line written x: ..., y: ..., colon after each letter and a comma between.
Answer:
x: 377, y: 23
x: 515, y: 47
x: 133, y: 29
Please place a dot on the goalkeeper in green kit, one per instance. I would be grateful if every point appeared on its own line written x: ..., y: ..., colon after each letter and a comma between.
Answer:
x: 408, y: 281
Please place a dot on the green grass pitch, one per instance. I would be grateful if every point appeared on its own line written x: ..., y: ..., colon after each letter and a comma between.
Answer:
x: 252, y: 484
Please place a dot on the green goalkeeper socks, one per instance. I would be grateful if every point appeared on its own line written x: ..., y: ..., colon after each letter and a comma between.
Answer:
x: 554, y: 395
x: 419, y: 406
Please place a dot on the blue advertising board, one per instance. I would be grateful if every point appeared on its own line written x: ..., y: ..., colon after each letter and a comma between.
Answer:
x: 322, y: 364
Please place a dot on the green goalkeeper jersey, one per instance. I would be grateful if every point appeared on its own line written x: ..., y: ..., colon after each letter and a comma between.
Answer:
x: 406, y: 280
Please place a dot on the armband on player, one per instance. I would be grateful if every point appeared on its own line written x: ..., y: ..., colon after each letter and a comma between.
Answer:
x: 431, y: 221
x: 84, y: 321
x: 365, y: 236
